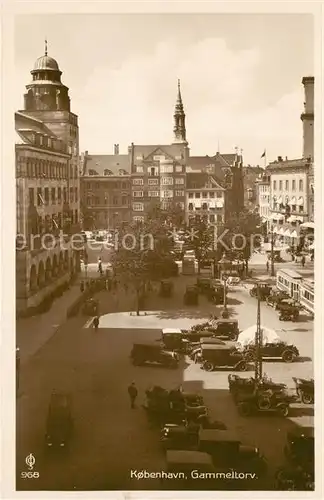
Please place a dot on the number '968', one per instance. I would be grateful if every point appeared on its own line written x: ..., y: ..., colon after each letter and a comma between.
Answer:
x: 30, y: 475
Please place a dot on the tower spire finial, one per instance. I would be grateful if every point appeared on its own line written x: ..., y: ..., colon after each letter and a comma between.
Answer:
x: 45, y: 46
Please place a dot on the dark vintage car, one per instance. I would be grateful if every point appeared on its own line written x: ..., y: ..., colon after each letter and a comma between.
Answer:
x: 166, y: 288
x: 175, y: 339
x: 287, y: 352
x: 276, y: 297
x: 288, y: 310
x: 239, y: 385
x: 264, y: 289
x: 256, y: 399
x: 226, y: 329
x: 300, y: 447
x: 90, y: 307
x: 203, y: 284
x: 221, y: 356
x: 191, y: 296
x: 149, y: 352
x: 173, y: 407
x: 305, y: 389
x: 59, y: 422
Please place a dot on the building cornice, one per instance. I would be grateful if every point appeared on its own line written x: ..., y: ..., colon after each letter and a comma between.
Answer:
x: 30, y: 147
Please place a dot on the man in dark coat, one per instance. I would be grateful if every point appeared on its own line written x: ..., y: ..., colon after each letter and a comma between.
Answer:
x: 96, y: 322
x: 132, y: 391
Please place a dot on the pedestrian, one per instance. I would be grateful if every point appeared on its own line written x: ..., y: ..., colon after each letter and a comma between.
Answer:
x: 126, y: 287
x: 82, y: 286
x: 267, y: 266
x: 303, y: 260
x: 96, y: 322
x: 132, y: 391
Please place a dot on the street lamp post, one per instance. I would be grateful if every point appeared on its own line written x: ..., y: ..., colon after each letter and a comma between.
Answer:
x: 272, y: 252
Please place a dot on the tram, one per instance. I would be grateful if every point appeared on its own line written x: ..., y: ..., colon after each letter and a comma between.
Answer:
x: 289, y: 281
x: 306, y: 295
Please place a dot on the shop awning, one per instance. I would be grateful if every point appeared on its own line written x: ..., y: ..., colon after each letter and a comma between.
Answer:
x: 219, y: 204
x: 277, y: 217
x: 281, y: 230
x: 279, y: 200
x: 299, y: 218
x: 292, y: 218
x: 300, y: 201
x: 293, y: 234
x: 310, y: 225
x: 287, y: 232
x: 292, y: 201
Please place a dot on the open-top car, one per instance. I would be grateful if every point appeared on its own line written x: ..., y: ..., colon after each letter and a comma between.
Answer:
x: 276, y: 297
x: 221, y: 356
x: 191, y: 296
x: 305, y: 389
x: 153, y: 353
x: 239, y: 385
x: 166, y: 288
x: 288, y: 310
x: 264, y: 290
x: 59, y: 422
x: 280, y: 349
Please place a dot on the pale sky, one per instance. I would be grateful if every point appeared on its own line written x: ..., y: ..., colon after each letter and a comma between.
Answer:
x: 240, y: 77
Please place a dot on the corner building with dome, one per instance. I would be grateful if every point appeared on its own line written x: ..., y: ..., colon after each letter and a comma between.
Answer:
x: 47, y: 188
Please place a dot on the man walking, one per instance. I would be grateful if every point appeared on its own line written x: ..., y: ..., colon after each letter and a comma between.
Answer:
x: 96, y: 323
x: 132, y: 391
x: 303, y: 261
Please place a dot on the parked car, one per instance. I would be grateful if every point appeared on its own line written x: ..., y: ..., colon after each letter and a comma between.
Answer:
x: 217, y: 356
x: 239, y: 385
x: 226, y: 329
x: 287, y: 352
x: 175, y: 340
x: 264, y: 290
x: 288, y: 309
x: 166, y: 288
x: 305, y: 389
x: 191, y: 296
x: 59, y: 421
x: 153, y: 353
x: 276, y: 297
x: 203, y: 284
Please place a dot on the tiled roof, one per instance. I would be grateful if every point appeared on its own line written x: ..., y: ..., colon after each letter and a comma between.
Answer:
x: 172, y: 150
x: 100, y: 163
x: 199, y: 180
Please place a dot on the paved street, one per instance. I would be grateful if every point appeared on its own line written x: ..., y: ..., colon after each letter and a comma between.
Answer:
x: 109, y: 438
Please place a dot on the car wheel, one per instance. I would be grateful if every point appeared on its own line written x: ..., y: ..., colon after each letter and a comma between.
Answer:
x: 244, y: 409
x: 242, y: 366
x: 306, y: 398
x: 287, y: 356
x: 283, y: 409
x: 208, y: 366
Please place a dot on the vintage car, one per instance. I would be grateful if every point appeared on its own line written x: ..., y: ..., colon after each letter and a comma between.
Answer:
x: 276, y: 297
x: 264, y: 290
x: 59, y: 423
x: 174, y: 339
x: 305, y: 389
x: 153, y: 353
x: 272, y: 399
x: 239, y: 385
x: 288, y: 310
x: 166, y: 288
x: 293, y: 478
x: 203, y: 284
x: 191, y: 296
x: 216, y: 292
x: 221, y: 356
x: 90, y: 307
x: 233, y: 279
x: 226, y: 329
x: 287, y: 352
x: 300, y: 447
x: 195, y: 336
x: 173, y: 407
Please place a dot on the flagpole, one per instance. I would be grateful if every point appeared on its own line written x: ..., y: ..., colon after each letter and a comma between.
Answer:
x: 265, y: 158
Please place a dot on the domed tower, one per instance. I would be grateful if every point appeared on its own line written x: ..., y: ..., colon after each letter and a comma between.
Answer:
x: 46, y: 91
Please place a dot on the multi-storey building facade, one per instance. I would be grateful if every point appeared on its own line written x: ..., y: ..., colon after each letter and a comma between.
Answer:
x: 105, y: 191
x: 47, y: 187
x: 251, y: 176
x: 205, y: 198
x: 263, y: 197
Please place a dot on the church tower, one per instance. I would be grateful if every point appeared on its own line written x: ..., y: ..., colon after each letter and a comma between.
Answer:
x: 179, y: 121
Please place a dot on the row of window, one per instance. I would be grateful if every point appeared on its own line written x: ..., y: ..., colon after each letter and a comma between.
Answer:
x: 153, y: 194
x: 56, y: 221
x: 293, y: 185
x: 204, y: 206
x: 281, y: 207
x: 164, y: 169
x: 165, y: 181
x: 115, y: 200
x: 212, y: 218
x: 45, y: 196
x: 36, y: 168
x: 107, y: 185
x: 205, y: 194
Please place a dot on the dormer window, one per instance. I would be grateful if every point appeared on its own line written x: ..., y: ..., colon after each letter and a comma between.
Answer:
x: 107, y: 172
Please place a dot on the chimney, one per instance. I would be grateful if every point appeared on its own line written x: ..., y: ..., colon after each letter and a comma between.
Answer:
x: 279, y: 158
x: 286, y: 158
x: 116, y: 149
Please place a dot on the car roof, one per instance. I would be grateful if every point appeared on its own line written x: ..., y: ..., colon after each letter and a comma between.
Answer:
x: 216, y: 347
x: 188, y: 457
x: 217, y: 435
x: 213, y: 340
x: 219, y: 321
x: 171, y: 330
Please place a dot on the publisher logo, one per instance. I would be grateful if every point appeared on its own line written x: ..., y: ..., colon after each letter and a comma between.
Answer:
x: 30, y: 461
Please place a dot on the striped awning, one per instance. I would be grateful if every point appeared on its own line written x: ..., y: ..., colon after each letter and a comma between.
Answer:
x: 309, y: 225
x: 293, y: 234
x: 292, y: 201
x: 281, y: 230
x: 300, y: 201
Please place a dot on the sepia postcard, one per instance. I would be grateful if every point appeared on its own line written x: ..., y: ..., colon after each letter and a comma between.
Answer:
x: 161, y: 203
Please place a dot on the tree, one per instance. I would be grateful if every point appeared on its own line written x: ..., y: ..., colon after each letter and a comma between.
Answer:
x: 201, y: 239
x: 142, y: 255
